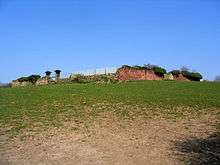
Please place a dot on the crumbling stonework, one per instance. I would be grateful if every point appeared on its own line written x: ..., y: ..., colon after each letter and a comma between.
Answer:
x: 16, y: 83
x: 127, y: 73
x: 168, y: 76
x: 43, y: 81
x: 180, y: 77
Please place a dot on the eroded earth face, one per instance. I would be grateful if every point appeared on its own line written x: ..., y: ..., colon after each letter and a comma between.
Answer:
x: 113, y: 141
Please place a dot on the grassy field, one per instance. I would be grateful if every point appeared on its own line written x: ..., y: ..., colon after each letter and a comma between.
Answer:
x: 40, y: 107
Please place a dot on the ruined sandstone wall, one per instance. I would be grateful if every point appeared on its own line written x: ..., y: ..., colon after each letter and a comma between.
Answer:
x: 135, y: 74
x: 16, y: 83
x: 180, y: 77
x: 43, y: 81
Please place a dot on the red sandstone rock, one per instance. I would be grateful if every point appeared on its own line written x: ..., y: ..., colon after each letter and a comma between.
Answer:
x: 136, y: 74
x: 180, y: 77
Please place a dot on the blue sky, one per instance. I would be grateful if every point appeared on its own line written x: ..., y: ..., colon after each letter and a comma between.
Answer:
x: 76, y: 35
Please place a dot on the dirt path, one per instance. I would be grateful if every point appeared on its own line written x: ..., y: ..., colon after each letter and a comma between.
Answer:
x: 150, y: 141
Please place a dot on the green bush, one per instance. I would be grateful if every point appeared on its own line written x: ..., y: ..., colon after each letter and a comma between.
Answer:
x: 137, y: 67
x: 186, y: 74
x: 32, y: 79
x: 194, y: 76
x: 175, y: 72
x: 126, y: 66
x: 159, y: 71
x: 22, y: 79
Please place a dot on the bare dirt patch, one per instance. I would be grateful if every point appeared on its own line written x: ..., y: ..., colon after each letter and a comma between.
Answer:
x: 109, y: 141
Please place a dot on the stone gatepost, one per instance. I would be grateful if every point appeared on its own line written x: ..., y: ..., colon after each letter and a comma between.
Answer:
x: 48, y: 73
x: 57, y: 75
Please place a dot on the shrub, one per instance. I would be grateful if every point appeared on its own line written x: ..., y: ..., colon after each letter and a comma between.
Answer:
x: 32, y: 79
x: 137, y: 67
x: 186, y: 74
x: 159, y: 71
x: 175, y: 72
x: 22, y: 79
x: 126, y: 66
x: 194, y: 76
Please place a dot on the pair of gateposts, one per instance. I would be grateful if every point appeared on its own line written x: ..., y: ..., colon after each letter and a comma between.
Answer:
x: 58, y: 75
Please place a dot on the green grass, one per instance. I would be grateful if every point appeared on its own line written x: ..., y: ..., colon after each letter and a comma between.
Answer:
x: 45, y: 106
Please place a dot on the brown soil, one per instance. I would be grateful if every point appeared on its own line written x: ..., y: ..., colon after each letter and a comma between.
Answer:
x: 110, y: 141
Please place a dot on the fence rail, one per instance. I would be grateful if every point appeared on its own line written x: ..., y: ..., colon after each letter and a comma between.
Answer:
x: 98, y: 71
x: 88, y: 72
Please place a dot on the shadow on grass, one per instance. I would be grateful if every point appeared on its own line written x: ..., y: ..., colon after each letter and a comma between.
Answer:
x: 196, y: 151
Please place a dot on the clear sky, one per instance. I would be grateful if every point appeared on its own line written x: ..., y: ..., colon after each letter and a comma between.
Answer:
x: 71, y: 35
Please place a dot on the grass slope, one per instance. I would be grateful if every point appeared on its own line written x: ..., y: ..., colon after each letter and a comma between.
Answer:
x: 44, y: 106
